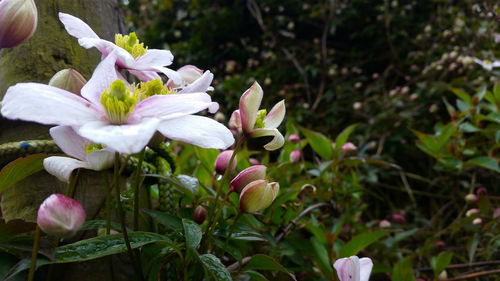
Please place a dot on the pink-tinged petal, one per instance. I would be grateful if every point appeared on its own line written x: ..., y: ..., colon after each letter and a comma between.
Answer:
x: 249, y: 106
x: 69, y: 141
x: 61, y: 167
x: 347, y: 268
x: 124, y: 58
x: 103, y: 76
x: 154, y: 57
x: 172, y: 106
x: 250, y: 174
x: 145, y: 75
x: 190, y: 73
x: 101, y: 159
x: 171, y: 74
x: 274, y: 118
x: 197, y: 130
x: 222, y: 162
x: 258, y: 195
x: 200, y: 85
x: 76, y: 27
x: 127, y: 138
x: 60, y: 216
x: 365, y: 268
x: 235, y: 120
x: 275, y: 143
x: 47, y: 105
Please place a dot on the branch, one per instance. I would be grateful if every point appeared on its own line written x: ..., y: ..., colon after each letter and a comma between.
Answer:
x: 296, y: 219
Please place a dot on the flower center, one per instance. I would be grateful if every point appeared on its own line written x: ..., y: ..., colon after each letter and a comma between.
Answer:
x: 131, y: 44
x: 118, y: 102
x: 259, y: 123
x: 154, y: 87
x: 91, y: 147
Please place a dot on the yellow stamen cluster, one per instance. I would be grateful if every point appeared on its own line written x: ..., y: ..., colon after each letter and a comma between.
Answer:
x: 118, y: 102
x: 154, y: 87
x: 131, y: 44
x: 91, y: 147
x: 259, y: 123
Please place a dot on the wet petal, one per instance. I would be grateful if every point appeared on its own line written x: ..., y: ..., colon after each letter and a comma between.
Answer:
x: 197, y: 130
x: 249, y: 106
x: 61, y: 167
x: 69, y: 141
x: 127, y: 138
x: 76, y: 27
x: 275, y: 143
x: 47, y: 105
x: 274, y: 118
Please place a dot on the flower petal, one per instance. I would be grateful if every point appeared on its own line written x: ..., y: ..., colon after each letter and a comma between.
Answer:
x: 61, y: 167
x: 250, y: 174
x: 235, y: 120
x: 154, y: 57
x: 274, y: 118
x: 124, y: 58
x: 249, y: 106
x: 197, y: 130
x: 365, y: 268
x: 171, y: 74
x: 69, y: 141
x: 76, y: 27
x: 347, y: 268
x: 103, y: 76
x: 127, y: 138
x: 101, y: 159
x: 47, y: 105
x: 172, y: 106
x: 145, y: 75
x: 275, y: 143
x: 199, y: 85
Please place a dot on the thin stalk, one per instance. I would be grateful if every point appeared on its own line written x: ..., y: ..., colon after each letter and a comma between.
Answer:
x: 137, y: 266
x: 34, y: 254
x: 137, y: 184
x: 108, y: 204
x: 231, y: 230
x: 73, y: 179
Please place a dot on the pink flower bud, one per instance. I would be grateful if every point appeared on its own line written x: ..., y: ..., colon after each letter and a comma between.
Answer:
x: 254, y: 161
x: 353, y: 268
x: 472, y: 212
x: 481, y: 191
x: 69, y: 80
x: 496, y: 213
x: 348, y: 147
x: 440, y: 244
x: 222, y: 162
x: 471, y: 198
x: 200, y: 214
x: 295, y: 156
x: 250, y: 174
x: 384, y: 224
x: 60, y: 216
x: 398, y: 218
x: 235, y: 121
x: 477, y: 221
x: 294, y: 138
x: 258, y: 195
x: 18, y: 20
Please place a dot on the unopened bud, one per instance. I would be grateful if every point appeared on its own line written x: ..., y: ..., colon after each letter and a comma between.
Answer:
x: 200, y: 214
x: 69, y: 80
x: 481, y: 191
x: 472, y: 212
x: 294, y: 138
x: 258, y: 195
x: 254, y: 161
x: 440, y: 244
x: 470, y: 198
x: 18, y: 20
x: 250, y: 174
x: 222, y: 162
x: 60, y: 216
x: 496, y: 213
x: 477, y: 221
x: 220, y: 117
x: 348, y: 147
x: 357, y: 105
x: 398, y: 218
x: 295, y: 155
x: 384, y: 224
x: 235, y: 120
x: 443, y: 275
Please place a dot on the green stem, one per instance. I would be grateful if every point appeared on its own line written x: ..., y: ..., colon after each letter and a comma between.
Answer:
x: 73, y: 179
x: 231, y: 230
x: 108, y: 204
x: 137, y: 184
x: 34, y: 254
x: 137, y: 266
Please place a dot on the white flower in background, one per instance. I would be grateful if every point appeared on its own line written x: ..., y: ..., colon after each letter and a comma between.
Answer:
x: 353, y: 268
x: 487, y: 64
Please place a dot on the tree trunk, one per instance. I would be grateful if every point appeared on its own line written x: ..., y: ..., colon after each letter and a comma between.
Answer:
x: 50, y: 50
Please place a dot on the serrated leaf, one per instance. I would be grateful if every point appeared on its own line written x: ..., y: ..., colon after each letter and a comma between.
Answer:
x: 440, y: 262
x: 165, y: 219
x: 485, y: 162
x: 361, y: 241
x: 215, y: 268
x: 192, y: 233
x: 403, y: 270
x: 319, y: 143
x: 101, y: 246
x: 19, y: 169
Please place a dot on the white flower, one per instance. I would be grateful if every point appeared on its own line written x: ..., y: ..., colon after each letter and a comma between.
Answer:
x: 353, y: 268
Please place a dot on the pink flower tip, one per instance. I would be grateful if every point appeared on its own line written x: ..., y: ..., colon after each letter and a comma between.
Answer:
x: 472, y: 212
x: 481, y: 191
x: 250, y: 174
x: 294, y: 138
x: 60, y: 216
x: 254, y: 161
x: 348, y: 147
x: 398, y: 218
x: 477, y: 221
x: 18, y: 21
x: 295, y: 156
x: 222, y: 162
x: 440, y: 244
x: 384, y: 224
x: 200, y: 214
x: 471, y: 198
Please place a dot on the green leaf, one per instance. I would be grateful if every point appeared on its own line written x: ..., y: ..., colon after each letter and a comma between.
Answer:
x: 189, y: 182
x: 230, y: 249
x: 390, y: 241
x: 468, y: 128
x: 496, y: 92
x: 344, y: 135
x: 361, y: 241
x: 96, y: 224
x: 319, y: 143
x: 165, y: 219
x: 485, y: 162
x: 19, y: 169
x: 264, y: 262
x: 192, y: 233
x: 103, y: 246
x: 21, y: 266
x: 255, y: 276
x: 403, y: 270
x: 207, y: 157
x: 462, y: 95
x: 215, y: 268
x: 321, y: 257
x: 440, y: 262
x: 473, y: 247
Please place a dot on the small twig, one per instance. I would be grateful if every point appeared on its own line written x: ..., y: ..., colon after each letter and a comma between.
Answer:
x: 473, y: 275
x: 236, y: 265
x: 296, y: 219
x: 34, y: 254
x: 464, y: 265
